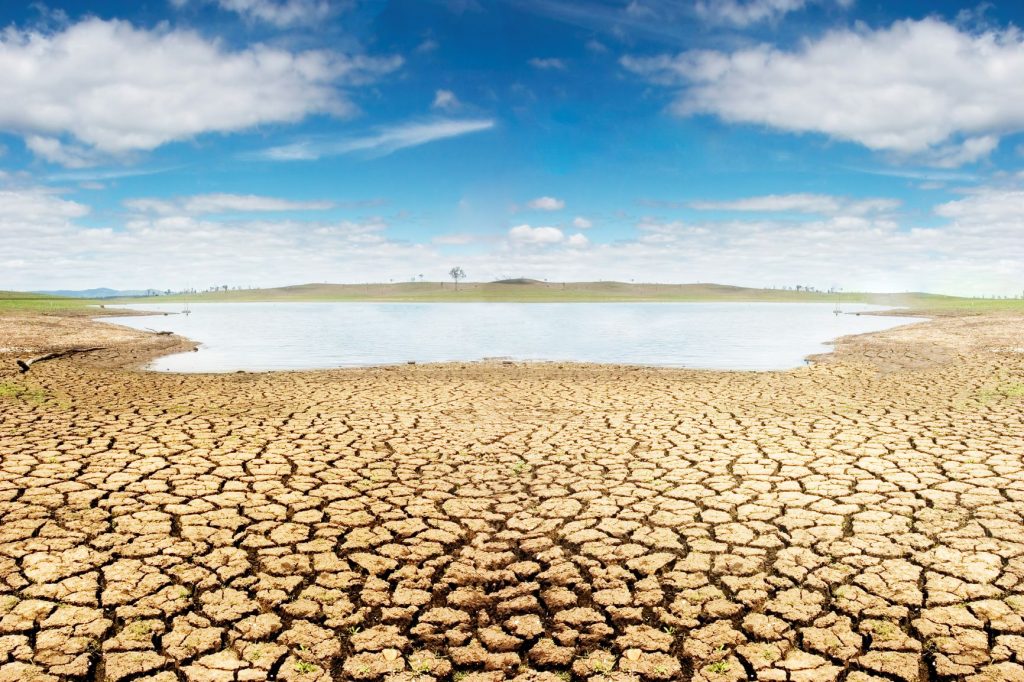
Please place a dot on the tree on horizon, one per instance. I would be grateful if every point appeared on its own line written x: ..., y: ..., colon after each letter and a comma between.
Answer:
x: 456, y: 274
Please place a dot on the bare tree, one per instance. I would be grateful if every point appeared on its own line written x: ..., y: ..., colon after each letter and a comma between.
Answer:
x: 456, y: 274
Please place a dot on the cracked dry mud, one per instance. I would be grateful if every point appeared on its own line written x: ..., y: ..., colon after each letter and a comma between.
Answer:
x: 860, y: 519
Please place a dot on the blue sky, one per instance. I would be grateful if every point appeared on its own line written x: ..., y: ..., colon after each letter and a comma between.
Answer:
x: 834, y: 143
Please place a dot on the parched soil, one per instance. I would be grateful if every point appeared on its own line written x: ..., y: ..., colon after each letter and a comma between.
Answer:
x: 858, y: 519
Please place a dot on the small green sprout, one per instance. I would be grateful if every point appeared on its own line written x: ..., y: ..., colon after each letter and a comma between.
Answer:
x: 421, y: 666
x: 719, y: 667
x: 305, y: 667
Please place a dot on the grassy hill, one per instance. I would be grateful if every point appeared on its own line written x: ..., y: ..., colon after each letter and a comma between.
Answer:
x: 524, y: 290
x: 20, y: 300
x: 521, y: 291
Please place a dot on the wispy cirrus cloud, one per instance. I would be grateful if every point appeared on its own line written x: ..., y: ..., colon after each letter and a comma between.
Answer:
x: 818, y: 204
x: 663, y: 21
x: 656, y: 20
x: 454, y: 239
x: 747, y: 12
x: 927, y: 175
x: 280, y: 13
x: 381, y: 143
x: 207, y: 204
x: 548, y: 63
x: 427, y: 46
x: 97, y: 174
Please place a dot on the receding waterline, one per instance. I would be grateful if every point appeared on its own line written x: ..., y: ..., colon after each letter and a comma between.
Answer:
x: 290, y: 336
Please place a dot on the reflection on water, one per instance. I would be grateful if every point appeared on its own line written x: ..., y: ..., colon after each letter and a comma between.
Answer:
x: 273, y: 336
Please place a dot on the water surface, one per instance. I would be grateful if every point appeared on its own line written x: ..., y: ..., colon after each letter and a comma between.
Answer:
x: 276, y: 336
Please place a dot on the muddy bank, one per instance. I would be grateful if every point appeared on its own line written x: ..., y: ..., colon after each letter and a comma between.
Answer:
x: 25, y: 335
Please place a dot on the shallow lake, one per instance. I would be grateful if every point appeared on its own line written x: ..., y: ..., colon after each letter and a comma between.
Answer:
x: 276, y: 336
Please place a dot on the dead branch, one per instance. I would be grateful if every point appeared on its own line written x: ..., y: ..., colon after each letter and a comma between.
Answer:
x: 24, y: 365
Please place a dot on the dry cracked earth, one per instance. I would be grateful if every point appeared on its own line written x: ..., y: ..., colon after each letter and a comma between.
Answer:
x: 859, y: 519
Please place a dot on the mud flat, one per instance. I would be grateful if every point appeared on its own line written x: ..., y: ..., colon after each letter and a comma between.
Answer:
x: 859, y: 519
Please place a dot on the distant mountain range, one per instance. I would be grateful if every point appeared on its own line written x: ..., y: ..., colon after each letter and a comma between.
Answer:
x: 102, y: 292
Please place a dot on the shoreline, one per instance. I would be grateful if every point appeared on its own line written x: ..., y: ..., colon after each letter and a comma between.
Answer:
x: 937, y: 339
x: 30, y: 334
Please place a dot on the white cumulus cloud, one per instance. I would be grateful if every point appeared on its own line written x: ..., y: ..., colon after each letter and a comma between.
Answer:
x: 577, y: 240
x: 524, y: 234
x: 987, y: 206
x: 168, y: 249
x: 924, y: 87
x: 973, y: 243
x: 581, y: 223
x: 108, y: 87
x: 546, y: 204
x: 28, y: 209
x: 55, y: 151
x: 445, y: 100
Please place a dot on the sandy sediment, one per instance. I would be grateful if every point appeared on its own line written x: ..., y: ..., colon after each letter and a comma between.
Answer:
x: 858, y: 519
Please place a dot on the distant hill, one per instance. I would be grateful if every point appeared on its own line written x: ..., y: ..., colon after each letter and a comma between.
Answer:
x: 518, y: 290
x: 524, y: 290
x: 102, y: 292
x: 22, y: 301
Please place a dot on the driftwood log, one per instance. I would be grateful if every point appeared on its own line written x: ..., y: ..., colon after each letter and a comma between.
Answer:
x: 24, y: 365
